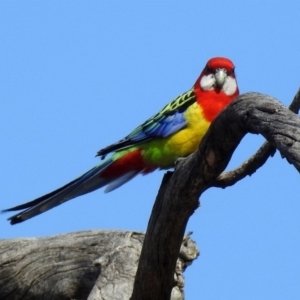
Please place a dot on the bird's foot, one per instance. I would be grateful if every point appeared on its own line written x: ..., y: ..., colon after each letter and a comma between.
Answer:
x: 178, y: 161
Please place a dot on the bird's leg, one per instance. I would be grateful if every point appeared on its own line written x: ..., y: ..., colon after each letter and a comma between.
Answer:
x: 179, y: 160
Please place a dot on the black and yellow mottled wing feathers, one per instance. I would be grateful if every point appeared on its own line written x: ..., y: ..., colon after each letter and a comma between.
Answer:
x: 168, y: 121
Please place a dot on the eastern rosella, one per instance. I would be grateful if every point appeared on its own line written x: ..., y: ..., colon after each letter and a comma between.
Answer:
x: 175, y: 132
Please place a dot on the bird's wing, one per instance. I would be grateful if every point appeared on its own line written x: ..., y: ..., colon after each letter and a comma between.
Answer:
x: 168, y: 121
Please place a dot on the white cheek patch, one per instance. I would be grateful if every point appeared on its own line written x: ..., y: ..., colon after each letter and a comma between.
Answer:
x: 230, y: 86
x: 207, y: 82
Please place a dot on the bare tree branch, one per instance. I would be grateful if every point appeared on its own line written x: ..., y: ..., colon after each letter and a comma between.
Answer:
x: 179, y: 193
x: 256, y: 161
x: 247, y: 168
x: 295, y: 105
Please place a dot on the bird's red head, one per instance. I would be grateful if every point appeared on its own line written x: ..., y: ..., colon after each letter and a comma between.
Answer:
x: 216, y: 86
x: 218, y: 75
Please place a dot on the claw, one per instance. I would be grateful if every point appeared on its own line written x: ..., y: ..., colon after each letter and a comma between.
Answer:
x: 178, y: 161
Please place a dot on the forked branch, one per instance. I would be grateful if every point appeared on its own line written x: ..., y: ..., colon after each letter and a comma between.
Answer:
x: 179, y: 193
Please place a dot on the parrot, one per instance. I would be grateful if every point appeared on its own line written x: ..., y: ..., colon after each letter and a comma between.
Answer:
x: 173, y: 133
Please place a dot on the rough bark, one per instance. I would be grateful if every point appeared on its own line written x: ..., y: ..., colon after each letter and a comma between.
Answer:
x: 257, y: 160
x: 179, y: 193
x: 84, y: 265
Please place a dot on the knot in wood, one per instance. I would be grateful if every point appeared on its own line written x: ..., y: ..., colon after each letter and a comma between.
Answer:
x: 211, y: 158
x: 270, y: 109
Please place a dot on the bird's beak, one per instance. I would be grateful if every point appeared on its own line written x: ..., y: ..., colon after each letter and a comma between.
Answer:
x: 220, y: 76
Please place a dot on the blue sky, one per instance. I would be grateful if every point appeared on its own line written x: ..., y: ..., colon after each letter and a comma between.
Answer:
x: 76, y: 76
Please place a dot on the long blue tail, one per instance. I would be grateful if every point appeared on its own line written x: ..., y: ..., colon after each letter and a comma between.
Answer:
x: 84, y: 184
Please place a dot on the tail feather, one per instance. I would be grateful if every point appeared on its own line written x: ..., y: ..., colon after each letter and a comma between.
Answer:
x: 121, y: 180
x: 113, y: 172
x: 84, y: 184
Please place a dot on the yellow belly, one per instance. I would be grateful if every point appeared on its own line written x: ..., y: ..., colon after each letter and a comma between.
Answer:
x: 164, y: 152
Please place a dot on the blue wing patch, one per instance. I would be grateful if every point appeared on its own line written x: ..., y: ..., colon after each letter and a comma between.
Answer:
x: 159, y: 128
x: 168, y: 121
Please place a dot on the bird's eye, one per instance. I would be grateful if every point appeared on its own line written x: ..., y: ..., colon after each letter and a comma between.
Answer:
x: 231, y: 72
x: 209, y: 70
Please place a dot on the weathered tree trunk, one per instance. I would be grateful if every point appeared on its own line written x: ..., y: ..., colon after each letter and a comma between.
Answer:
x: 90, y: 265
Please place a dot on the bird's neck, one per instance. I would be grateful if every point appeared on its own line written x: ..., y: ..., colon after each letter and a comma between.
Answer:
x: 213, y: 102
